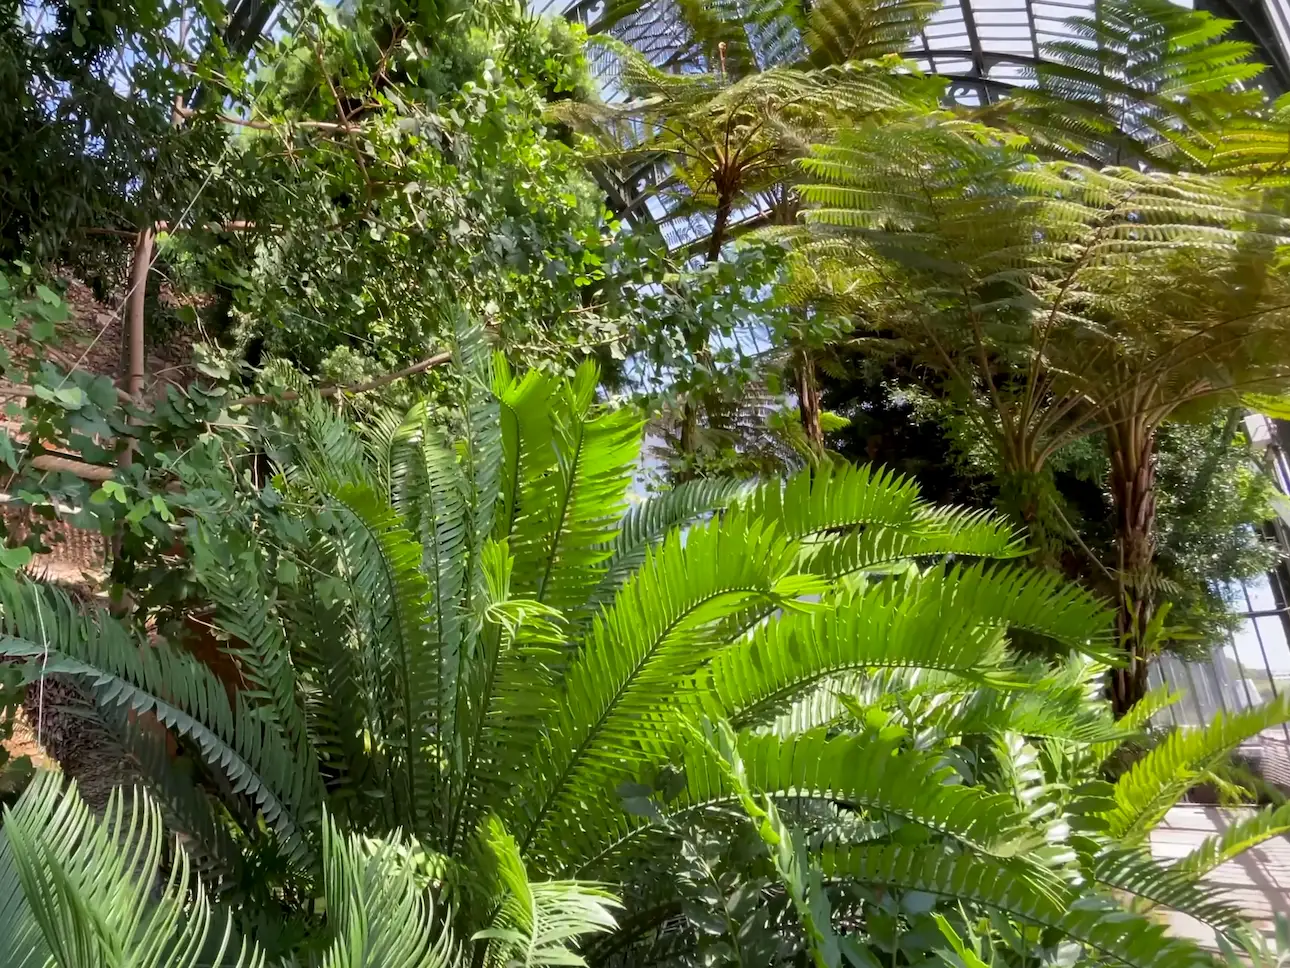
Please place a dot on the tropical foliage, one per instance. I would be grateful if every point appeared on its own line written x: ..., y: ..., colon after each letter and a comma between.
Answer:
x: 461, y: 626
x: 552, y: 628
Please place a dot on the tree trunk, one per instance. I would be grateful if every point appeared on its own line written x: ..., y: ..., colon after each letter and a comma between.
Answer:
x: 718, y: 237
x: 808, y: 397
x: 690, y: 409
x: 135, y: 300
x: 1133, y: 492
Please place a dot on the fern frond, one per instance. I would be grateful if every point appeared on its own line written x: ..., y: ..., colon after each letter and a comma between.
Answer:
x: 392, y: 602
x: 568, y: 517
x: 829, y: 497
x: 1136, y: 872
x: 378, y: 913
x: 906, y: 622
x: 179, y: 690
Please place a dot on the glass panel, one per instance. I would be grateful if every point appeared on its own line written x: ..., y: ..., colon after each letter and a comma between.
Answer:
x: 1260, y: 594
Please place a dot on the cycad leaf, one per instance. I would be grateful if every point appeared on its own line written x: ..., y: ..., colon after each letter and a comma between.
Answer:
x: 1154, y: 783
x: 378, y: 914
x: 569, y: 514
x: 538, y: 923
x: 1106, y: 928
x: 621, y: 691
x: 91, y: 885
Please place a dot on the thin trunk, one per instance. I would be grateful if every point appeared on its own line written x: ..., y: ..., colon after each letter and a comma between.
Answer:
x: 808, y: 397
x: 134, y: 310
x: 1133, y: 493
x: 717, y: 239
x: 132, y: 343
x: 690, y: 409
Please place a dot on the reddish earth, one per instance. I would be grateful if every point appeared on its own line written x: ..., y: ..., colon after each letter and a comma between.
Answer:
x: 90, y: 340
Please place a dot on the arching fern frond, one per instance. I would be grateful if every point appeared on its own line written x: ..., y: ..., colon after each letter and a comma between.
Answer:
x: 621, y: 690
x: 647, y: 522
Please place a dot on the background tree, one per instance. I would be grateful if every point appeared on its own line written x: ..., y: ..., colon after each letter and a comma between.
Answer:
x: 1058, y: 300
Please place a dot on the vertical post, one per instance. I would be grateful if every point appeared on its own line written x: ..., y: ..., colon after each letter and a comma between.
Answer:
x: 134, y: 310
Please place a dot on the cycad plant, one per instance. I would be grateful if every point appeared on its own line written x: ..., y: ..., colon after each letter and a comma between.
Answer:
x: 463, y: 626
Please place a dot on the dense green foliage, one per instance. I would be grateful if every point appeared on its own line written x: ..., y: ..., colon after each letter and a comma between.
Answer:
x: 475, y: 662
x: 457, y: 626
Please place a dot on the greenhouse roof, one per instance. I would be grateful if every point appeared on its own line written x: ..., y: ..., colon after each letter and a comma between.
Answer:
x: 984, y: 47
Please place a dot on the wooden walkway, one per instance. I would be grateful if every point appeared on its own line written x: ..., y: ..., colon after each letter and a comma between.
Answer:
x: 1257, y: 882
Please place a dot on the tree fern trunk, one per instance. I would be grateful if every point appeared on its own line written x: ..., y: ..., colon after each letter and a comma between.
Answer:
x: 808, y: 396
x: 718, y: 237
x: 1133, y: 485
x: 690, y: 409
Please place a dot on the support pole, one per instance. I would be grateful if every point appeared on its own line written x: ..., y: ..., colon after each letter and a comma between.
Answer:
x: 134, y: 310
